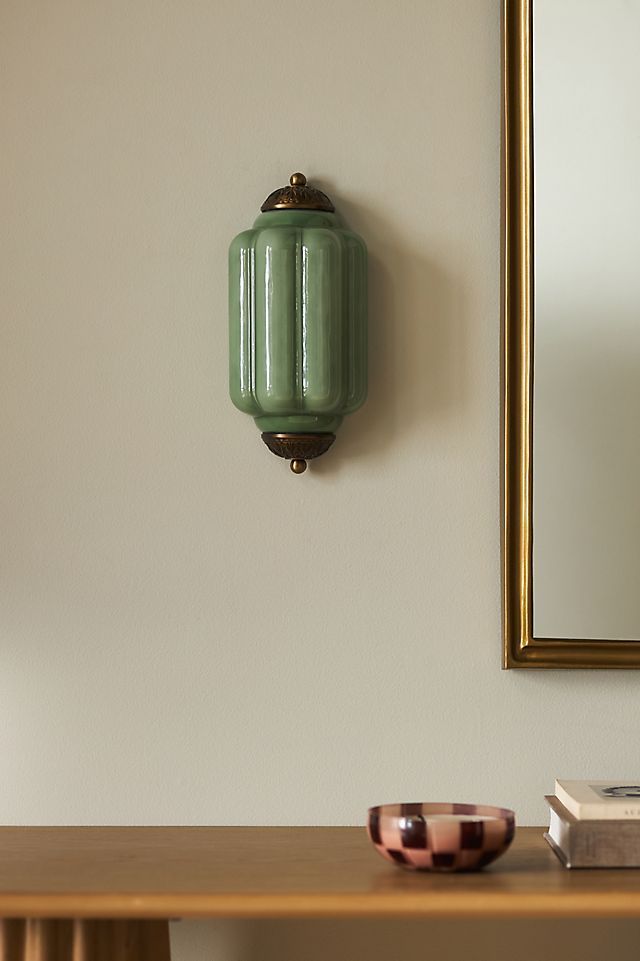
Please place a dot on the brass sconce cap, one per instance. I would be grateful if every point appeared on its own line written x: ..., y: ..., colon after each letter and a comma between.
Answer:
x: 297, y: 196
x: 298, y: 448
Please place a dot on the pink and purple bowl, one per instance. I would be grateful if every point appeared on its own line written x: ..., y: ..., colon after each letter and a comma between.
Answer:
x: 441, y: 837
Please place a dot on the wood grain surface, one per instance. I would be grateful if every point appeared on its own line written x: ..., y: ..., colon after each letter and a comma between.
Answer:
x: 173, y: 872
x: 38, y: 940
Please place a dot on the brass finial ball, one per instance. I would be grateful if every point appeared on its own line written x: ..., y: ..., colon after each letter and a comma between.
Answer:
x: 298, y: 180
x: 298, y: 466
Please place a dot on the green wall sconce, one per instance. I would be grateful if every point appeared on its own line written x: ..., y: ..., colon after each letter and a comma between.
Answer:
x: 298, y: 322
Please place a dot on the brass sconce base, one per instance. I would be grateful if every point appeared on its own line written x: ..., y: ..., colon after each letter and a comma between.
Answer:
x: 298, y: 448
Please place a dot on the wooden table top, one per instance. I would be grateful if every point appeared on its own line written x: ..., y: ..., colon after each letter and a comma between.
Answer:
x: 202, y: 872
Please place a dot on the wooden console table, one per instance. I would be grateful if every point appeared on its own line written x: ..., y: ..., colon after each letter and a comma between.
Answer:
x: 107, y: 894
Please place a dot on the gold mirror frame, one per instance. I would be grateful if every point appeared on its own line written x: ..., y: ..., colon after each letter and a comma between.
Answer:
x: 521, y: 648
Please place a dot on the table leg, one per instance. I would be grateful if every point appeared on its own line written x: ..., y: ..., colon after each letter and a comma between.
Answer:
x: 36, y: 940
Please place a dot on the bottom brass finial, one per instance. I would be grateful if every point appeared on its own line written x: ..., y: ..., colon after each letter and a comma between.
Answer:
x: 298, y: 448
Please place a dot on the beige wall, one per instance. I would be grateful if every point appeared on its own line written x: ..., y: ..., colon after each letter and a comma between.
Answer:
x: 191, y: 634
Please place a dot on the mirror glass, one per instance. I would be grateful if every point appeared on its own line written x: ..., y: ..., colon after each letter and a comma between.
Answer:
x: 586, y: 268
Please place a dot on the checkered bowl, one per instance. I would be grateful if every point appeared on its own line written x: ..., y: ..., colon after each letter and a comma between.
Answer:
x: 441, y: 837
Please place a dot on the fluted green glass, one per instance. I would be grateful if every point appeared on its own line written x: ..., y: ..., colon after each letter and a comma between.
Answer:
x: 298, y: 321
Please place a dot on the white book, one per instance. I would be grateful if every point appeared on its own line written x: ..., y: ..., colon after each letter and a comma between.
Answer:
x: 593, y: 844
x: 600, y: 800
x: 558, y: 830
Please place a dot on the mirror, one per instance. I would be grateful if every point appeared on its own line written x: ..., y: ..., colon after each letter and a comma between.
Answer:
x: 571, y: 379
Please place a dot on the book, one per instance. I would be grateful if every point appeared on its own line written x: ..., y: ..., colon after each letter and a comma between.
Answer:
x: 592, y: 843
x: 599, y: 800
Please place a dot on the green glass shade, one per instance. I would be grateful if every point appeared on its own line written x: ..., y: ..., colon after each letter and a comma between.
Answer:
x: 298, y: 322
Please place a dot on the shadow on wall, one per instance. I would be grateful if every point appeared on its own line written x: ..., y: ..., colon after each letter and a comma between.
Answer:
x: 404, y: 940
x: 416, y: 342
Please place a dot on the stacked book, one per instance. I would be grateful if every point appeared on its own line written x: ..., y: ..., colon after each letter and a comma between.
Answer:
x: 595, y: 824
